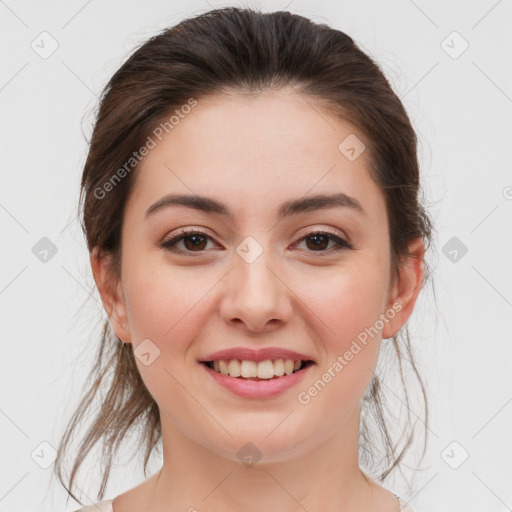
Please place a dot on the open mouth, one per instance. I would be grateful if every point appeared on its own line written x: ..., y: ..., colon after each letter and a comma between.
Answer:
x: 251, y: 370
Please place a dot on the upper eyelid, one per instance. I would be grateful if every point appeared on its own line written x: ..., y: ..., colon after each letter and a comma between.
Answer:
x: 185, y: 232
x: 189, y: 231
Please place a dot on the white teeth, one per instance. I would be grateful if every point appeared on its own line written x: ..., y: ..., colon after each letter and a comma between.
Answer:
x: 223, y: 367
x: 265, y: 369
x: 279, y: 367
x: 251, y: 369
x: 234, y: 368
x: 288, y: 367
x: 248, y: 369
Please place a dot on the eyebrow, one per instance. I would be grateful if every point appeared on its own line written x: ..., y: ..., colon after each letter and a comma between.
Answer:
x: 291, y: 207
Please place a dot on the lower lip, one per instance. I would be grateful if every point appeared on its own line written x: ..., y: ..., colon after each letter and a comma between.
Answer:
x: 257, y: 388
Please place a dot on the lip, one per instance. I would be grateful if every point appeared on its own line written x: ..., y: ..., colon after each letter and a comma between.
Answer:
x: 258, y: 389
x: 243, y: 353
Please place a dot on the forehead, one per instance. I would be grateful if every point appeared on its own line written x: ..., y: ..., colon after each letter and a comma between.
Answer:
x: 253, y: 151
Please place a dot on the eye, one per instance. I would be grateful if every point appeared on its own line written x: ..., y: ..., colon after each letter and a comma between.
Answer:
x: 195, y: 241
x: 320, y: 240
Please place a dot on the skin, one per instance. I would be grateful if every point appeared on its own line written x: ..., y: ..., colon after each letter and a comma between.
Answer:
x: 252, y: 153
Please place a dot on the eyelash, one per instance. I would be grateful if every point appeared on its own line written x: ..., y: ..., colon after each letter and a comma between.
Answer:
x: 185, y: 233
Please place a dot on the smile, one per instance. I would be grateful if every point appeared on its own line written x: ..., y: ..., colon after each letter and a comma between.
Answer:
x: 246, y: 381
x: 263, y: 370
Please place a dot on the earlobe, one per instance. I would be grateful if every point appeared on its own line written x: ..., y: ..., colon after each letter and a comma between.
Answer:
x: 111, y: 294
x: 406, y: 289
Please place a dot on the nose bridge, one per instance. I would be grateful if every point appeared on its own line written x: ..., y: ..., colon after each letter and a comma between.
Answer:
x: 252, y: 269
x: 256, y: 293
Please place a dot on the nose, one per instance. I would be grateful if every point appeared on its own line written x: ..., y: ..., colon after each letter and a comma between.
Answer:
x: 256, y: 297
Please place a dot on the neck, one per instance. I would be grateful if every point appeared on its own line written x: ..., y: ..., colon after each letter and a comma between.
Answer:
x: 325, y: 476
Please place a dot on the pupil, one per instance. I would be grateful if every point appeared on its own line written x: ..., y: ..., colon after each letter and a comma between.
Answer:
x: 196, y: 243
x: 321, y: 245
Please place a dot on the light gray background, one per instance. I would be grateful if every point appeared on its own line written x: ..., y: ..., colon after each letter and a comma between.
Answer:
x: 461, y: 108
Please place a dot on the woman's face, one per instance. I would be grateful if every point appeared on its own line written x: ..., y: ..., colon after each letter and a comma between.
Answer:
x: 257, y: 276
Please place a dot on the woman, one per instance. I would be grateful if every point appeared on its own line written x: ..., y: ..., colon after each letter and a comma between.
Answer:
x: 251, y: 207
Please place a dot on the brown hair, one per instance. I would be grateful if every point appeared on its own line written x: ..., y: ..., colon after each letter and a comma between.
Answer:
x: 237, y: 50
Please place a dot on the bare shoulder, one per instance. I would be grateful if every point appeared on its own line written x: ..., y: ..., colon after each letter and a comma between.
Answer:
x: 404, y: 507
x: 102, y: 506
x: 135, y: 499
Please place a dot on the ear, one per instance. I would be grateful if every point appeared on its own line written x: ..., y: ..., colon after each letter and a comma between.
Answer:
x: 406, y: 288
x: 111, y: 294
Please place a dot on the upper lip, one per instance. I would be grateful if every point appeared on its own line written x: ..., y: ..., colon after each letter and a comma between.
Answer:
x: 262, y: 354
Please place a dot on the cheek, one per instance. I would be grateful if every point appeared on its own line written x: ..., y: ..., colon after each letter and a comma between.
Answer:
x: 346, y: 313
x: 163, y: 303
x: 349, y: 302
x: 169, y: 309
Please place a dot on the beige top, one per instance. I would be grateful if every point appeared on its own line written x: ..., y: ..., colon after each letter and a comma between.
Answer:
x: 106, y: 506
